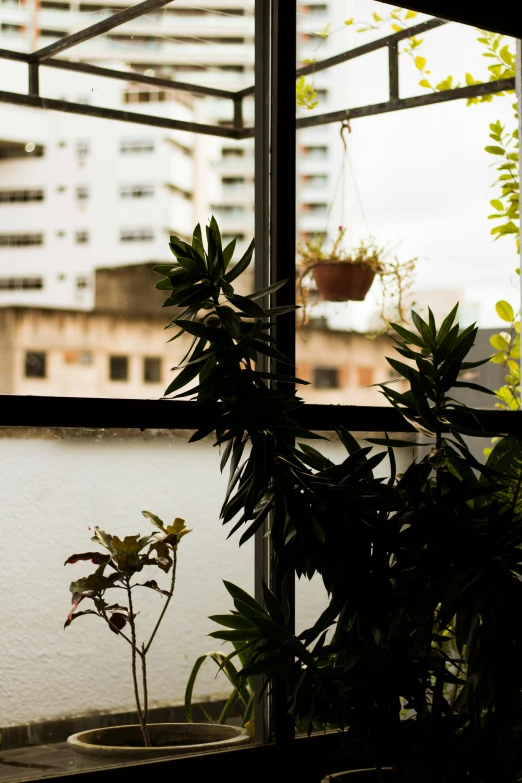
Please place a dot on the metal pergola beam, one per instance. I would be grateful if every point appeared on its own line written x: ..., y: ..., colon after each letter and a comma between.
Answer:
x: 372, y: 46
x: 236, y: 129
x: 126, y: 15
x: 35, y: 101
x: 398, y: 104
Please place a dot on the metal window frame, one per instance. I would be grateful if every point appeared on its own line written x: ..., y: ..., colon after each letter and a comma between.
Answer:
x: 275, y: 135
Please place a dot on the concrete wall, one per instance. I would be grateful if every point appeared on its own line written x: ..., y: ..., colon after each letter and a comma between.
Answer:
x: 53, y: 486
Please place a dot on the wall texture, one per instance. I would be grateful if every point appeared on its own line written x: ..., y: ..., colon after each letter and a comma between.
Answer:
x: 53, y: 486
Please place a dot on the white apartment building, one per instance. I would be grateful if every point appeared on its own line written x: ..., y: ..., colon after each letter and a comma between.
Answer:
x: 78, y: 193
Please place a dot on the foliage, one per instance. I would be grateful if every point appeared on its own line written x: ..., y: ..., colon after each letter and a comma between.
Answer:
x: 242, y: 689
x: 124, y: 560
x: 305, y: 94
x: 396, y: 276
x: 418, y: 649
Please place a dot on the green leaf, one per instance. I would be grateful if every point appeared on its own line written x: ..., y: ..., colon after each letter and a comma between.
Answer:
x: 247, y: 306
x: 499, y: 342
x: 241, y: 265
x: 407, y: 336
x: 493, y: 150
x: 504, y: 310
x: 155, y: 520
x: 420, y: 63
x: 228, y: 252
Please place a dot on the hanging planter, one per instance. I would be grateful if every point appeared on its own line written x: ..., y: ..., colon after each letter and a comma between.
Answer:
x: 343, y: 281
x: 339, y: 275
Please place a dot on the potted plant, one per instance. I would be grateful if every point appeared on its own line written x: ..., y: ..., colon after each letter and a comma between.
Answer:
x: 117, y: 568
x: 341, y: 275
x: 416, y: 655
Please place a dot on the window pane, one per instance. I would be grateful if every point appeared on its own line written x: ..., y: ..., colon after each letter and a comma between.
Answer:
x: 393, y: 200
x: 58, y: 681
x: 118, y: 368
x: 87, y: 205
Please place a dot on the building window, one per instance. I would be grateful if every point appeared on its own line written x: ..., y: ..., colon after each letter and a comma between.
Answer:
x: 136, y: 235
x: 232, y: 152
x: 20, y: 196
x: 316, y: 152
x: 119, y: 368
x: 82, y: 282
x: 53, y: 33
x: 316, y: 208
x: 21, y: 283
x: 326, y: 377
x: 136, y: 145
x: 229, y: 237
x: 318, y: 9
x: 83, y: 148
x: 364, y: 376
x: 20, y: 240
x: 136, y: 191
x: 147, y: 96
x: 230, y: 210
x: 233, y: 183
x: 81, y: 237
x: 82, y: 193
x: 152, y: 369
x: 315, y: 180
x: 35, y: 364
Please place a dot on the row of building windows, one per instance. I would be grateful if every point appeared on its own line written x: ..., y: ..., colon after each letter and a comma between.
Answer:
x: 57, y: 5
x: 20, y: 196
x: 330, y: 377
x: 36, y: 365
x: 17, y: 196
x: 21, y: 283
x: 81, y: 237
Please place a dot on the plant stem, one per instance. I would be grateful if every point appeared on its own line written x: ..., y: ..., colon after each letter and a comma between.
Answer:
x: 143, y: 656
x: 135, y: 651
x: 172, y: 585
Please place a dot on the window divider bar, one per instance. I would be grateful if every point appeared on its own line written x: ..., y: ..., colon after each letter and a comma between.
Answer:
x: 393, y: 70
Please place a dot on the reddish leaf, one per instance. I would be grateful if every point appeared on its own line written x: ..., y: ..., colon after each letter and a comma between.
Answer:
x: 97, y: 558
x: 72, y: 616
x: 117, y: 622
x: 154, y: 586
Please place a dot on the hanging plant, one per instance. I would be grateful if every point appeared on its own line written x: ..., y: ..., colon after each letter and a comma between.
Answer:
x: 341, y: 275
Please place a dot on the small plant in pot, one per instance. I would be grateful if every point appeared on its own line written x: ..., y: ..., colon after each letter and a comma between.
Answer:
x: 342, y: 275
x: 117, y: 569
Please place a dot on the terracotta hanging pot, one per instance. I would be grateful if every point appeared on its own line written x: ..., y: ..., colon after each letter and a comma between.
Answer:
x: 341, y: 281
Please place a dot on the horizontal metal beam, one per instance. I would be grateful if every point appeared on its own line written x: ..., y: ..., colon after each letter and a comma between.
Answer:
x: 87, y: 110
x: 126, y: 15
x: 130, y: 76
x: 31, y: 411
x: 372, y: 46
x: 472, y: 91
x: 127, y: 76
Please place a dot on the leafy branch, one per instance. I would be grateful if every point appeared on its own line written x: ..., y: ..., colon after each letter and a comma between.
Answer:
x: 125, y: 559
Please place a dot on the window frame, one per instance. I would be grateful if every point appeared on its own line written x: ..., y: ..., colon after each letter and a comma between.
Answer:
x: 275, y: 230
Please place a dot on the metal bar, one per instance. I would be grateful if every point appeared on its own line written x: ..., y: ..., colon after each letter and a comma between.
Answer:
x: 282, y: 247
x: 8, y: 54
x: 113, y: 413
x: 126, y: 15
x: 116, y: 114
x: 34, y: 79
x: 373, y: 46
x: 238, y: 113
x: 393, y: 70
x: 129, y: 76
x: 262, y: 279
x: 458, y: 93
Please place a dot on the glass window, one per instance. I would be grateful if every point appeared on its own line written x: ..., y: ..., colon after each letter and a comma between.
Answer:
x: 118, y: 368
x: 81, y: 237
x: 20, y: 196
x: 136, y: 191
x: 152, y: 369
x: 136, y: 146
x: 326, y: 377
x: 20, y: 240
x: 136, y: 235
x: 82, y: 192
x: 35, y: 364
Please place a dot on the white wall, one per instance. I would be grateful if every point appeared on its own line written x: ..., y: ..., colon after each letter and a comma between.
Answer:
x: 53, y: 486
